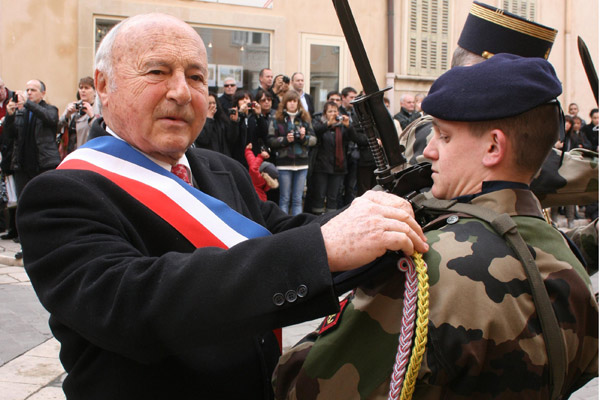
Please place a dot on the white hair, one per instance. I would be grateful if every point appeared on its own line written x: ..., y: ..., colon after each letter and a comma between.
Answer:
x: 104, y: 58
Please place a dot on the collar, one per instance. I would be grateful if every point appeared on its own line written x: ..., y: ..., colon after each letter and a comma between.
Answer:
x: 183, y: 160
x: 492, y: 186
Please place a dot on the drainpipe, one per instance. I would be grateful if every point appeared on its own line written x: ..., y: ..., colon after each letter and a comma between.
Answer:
x: 567, y: 61
x: 390, y: 75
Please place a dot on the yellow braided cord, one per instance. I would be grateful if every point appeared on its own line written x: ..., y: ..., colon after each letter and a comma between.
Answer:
x: 420, y: 341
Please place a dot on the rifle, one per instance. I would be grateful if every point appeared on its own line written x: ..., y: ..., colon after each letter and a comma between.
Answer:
x: 375, y: 120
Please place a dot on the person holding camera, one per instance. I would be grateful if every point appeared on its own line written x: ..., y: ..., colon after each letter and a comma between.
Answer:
x: 31, y: 124
x: 334, y: 133
x: 281, y: 84
x: 78, y: 116
x: 290, y: 136
x: 219, y: 131
x: 258, y: 122
x: 243, y: 107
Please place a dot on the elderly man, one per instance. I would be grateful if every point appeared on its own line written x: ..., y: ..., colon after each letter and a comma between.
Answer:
x: 493, y: 258
x: 407, y: 113
x: 229, y: 88
x: 160, y: 288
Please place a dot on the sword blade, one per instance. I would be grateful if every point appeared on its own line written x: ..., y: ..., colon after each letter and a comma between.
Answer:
x: 588, y: 65
x: 380, y: 115
x: 356, y: 47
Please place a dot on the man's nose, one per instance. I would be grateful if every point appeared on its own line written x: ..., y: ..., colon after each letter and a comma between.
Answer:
x: 429, y: 151
x: 179, y: 90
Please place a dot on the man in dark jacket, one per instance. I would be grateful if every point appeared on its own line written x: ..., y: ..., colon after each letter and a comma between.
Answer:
x: 6, y: 150
x: 407, y: 112
x: 163, y: 272
x: 32, y: 123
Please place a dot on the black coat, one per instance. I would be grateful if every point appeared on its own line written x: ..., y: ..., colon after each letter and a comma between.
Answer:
x: 45, y: 120
x: 325, y: 150
x: 142, y: 314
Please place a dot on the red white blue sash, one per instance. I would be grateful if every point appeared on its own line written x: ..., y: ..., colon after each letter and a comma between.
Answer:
x: 202, y: 219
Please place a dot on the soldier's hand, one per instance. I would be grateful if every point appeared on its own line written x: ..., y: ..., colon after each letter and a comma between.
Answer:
x: 373, y: 224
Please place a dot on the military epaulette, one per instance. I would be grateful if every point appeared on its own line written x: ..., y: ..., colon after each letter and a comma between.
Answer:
x: 331, y: 321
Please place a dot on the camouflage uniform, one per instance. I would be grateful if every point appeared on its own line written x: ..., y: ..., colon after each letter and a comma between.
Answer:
x: 484, y: 337
x: 575, y: 181
x: 586, y: 240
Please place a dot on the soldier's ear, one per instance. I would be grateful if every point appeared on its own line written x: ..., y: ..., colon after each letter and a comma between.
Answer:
x: 496, y: 148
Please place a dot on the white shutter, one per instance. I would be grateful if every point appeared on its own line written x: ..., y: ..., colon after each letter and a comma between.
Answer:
x: 428, y: 22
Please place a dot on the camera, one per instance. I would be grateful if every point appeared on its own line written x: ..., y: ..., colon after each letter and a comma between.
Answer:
x: 15, y: 98
x: 232, y: 111
x: 339, y: 117
x: 297, y: 134
x: 285, y: 79
x: 79, y: 107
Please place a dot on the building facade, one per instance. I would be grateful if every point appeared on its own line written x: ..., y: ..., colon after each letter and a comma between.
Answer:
x: 409, y: 42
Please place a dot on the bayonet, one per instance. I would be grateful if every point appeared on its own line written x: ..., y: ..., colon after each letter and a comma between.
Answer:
x: 372, y: 114
x: 588, y: 65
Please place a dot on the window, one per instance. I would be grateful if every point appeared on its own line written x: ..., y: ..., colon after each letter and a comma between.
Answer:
x: 522, y: 8
x: 323, y: 65
x: 241, y: 54
x: 428, y: 36
x: 102, y: 28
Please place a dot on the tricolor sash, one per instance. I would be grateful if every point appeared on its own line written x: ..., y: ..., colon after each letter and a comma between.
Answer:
x: 200, y: 218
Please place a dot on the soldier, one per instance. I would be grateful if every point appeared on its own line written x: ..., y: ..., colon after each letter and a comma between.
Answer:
x: 489, y: 31
x: 485, y: 336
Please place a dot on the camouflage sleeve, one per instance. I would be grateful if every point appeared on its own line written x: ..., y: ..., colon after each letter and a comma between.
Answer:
x: 484, y: 339
x: 586, y: 239
x: 575, y: 181
x: 415, y: 137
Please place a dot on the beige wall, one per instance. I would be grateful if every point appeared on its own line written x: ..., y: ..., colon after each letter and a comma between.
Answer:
x: 53, y: 39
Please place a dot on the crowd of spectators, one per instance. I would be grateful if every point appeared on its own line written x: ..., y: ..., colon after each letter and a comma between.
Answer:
x: 321, y: 161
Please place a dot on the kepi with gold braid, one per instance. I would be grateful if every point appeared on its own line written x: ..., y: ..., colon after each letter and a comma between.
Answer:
x: 489, y: 30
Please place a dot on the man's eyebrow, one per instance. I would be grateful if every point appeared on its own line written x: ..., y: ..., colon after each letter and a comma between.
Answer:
x: 155, y: 63
x: 201, y: 67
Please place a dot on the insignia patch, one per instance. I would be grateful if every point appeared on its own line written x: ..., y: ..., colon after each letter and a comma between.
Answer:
x: 330, y: 322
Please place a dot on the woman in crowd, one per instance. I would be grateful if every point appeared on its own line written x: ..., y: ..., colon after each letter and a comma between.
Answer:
x: 242, y: 108
x: 290, y: 136
x: 258, y: 122
x: 334, y: 133
x: 77, y: 119
x: 218, y: 132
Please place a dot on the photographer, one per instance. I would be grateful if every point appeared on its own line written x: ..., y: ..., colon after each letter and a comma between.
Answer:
x: 290, y: 136
x: 219, y: 130
x: 281, y: 84
x: 243, y: 107
x: 78, y: 117
x: 258, y: 122
x: 334, y: 134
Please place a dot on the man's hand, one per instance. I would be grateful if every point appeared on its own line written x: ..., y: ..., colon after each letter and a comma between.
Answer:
x: 373, y: 224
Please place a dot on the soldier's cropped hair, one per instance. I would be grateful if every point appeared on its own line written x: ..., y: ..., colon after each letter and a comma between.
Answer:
x: 462, y: 57
x: 531, y: 134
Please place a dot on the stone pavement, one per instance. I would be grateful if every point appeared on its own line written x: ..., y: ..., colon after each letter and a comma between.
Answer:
x: 29, y: 365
